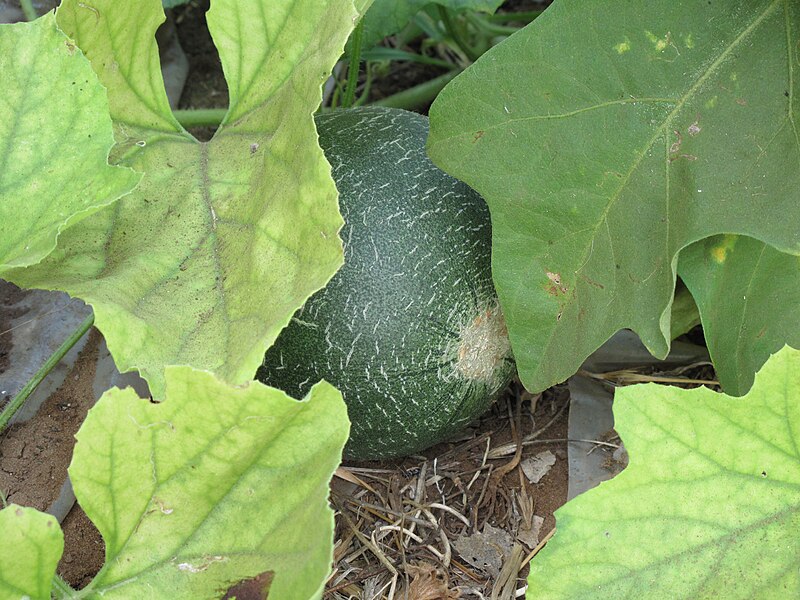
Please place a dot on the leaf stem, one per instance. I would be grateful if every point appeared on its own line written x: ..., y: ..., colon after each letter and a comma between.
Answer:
x: 354, y: 66
x: 381, y: 53
x: 28, y: 10
x: 201, y: 117
x: 455, y: 33
x: 418, y: 95
x: 61, y: 590
x: 13, y: 406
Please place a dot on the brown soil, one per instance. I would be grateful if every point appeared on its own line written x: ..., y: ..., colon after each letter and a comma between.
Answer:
x: 34, y: 457
x: 84, y: 550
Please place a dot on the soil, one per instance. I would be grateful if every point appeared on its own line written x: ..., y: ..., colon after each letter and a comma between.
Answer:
x: 34, y: 457
x: 35, y: 454
x: 84, y: 550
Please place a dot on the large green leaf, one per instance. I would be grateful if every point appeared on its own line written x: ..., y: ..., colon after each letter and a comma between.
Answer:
x: 211, y: 487
x: 55, y: 135
x: 709, y: 506
x: 749, y: 296
x: 32, y: 545
x: 205, y: 262
x: 387, y: 17
x: 607, y: 136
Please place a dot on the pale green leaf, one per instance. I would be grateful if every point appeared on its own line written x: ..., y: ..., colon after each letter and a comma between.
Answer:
x: 213, y: 486
x: 32, y: 544
x: 748, y: 295
x: 55, y: 135
x: 387, y: 17
x: 207, y: 260
x: 709, y: 506
x: 607, y: 136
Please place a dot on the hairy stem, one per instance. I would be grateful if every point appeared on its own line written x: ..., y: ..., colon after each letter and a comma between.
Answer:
x: 61, y: 590
x: 201, y: 117
x: 418, y: 95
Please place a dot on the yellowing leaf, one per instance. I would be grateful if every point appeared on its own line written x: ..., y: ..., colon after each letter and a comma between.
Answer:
x: 709, y: 506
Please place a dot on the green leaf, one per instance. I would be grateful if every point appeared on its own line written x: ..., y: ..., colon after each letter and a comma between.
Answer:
x: 213, y: 486
x: 387, y: 17
x: 748, y: 295
x: 32, y: 543
x: 55, y: 135
x: 206, y: 261
x: 709, y: 506
x: 606, y: 137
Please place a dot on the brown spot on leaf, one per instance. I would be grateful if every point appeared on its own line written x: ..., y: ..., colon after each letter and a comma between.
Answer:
x: 255, y: 588
x: 478, y: 135
x: 555, y: 288
x: 741, y: 102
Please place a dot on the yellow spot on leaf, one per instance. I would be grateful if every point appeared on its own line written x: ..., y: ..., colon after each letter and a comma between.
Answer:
x: 711, y: 102
x: 623, y: 47
x: 660, y: 44
x: 688, y: 41
x: 720, y: 252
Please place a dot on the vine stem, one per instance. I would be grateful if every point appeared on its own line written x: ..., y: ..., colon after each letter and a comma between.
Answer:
x: 451, y: 28
x: 28, y: 10
x: 354, y: 66
x: 13, y: 406
x: 61, y: 590
x: 201, y: 117
x: 418, y: 95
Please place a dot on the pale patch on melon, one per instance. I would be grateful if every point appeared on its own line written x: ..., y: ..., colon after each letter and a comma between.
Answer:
x: 483, y: 347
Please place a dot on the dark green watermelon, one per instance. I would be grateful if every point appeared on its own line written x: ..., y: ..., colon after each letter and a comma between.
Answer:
x: 409, y: 329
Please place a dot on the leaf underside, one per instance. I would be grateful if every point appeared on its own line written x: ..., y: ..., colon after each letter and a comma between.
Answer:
x: 708, y: 507
x: 605, y: 138
x: 206, y: 261
x: 748, y: 294
x: 214, y: 486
